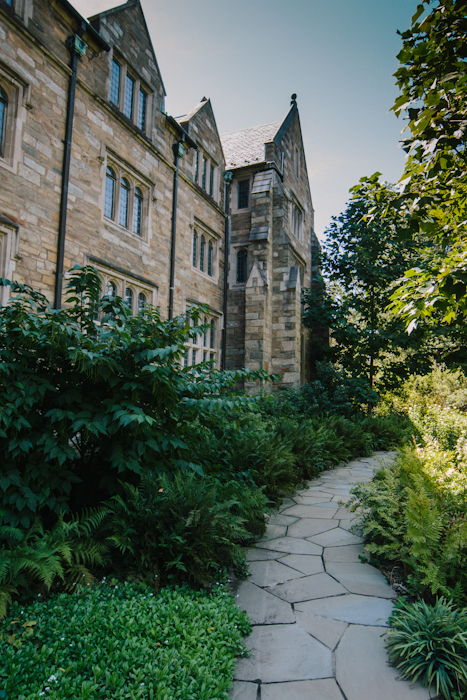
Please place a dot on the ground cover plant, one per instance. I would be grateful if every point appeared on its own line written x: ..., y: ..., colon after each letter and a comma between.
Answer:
x: 429, y: 644
x: 122, y: 641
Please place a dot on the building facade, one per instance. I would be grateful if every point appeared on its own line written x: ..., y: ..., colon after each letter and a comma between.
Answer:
x: 141, y: 195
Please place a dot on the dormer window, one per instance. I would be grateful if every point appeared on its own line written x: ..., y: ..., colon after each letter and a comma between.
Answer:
x: 115, y: 83
x: 128, y: 102
x: 128, y: 95
x: 141, y: 121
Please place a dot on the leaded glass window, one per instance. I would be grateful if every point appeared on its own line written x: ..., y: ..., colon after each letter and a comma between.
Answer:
x: 202, y: 254
x: 115, y: 83
x: 243, y: 194
x: 196, y: 166
x: 109, y: 193
x: 137, y: 211
x: 211, y: 180
x: 210, y: 258
x: 195, y: 247
x: 204, y: 175
x: 141, y: 123
x: 111, y: 290
x: 213, y: 334
x: 242, y: 258
x: 129, y: 298
x: 141, y: 302
x: 3, y: 110
x: 128, y: 101
x: 124, y: 201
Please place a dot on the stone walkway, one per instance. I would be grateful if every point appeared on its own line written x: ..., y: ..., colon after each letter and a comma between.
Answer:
x: 318, y: 612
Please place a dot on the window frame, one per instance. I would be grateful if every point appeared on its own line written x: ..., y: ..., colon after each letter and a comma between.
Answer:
x: 4, y: 116
x: 206, y: 345
x: 203, y: 240
x: 243, y: 185
x: 123, y: 281
x: 243, y: 252
x: 135, y: 185
x: 139, y: 88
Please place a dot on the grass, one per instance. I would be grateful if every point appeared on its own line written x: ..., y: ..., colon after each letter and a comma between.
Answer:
x: 122, y: 641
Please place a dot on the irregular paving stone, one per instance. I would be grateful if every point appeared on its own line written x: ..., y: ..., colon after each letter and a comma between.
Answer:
x: 305, y: 563
x: 308, y: 588
x: 291, y: 545
x: 269, y: 573
x: 341, y: 514
x: 349, y: 553
x: 360, y: 578
x: 243, y: 691
x: 323, y: 689
x: 311, y: 501
x: 307, y: 527
x: 261, y: 607
x: 335, y: 538
x: 311, y: 511
x: 286, y: 503
x: 274, y: 531
x: 341, y: 499
x: 363, y: 672
x: 357, y: 609
x: 350, y: 523
x: 262, y: 555
x: 281, y: 519
x: 284, y: 653
x: 327, y: 504
x: 319, y: 493
x: 325, y: 629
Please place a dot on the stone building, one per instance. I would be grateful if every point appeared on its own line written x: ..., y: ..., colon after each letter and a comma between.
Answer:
x: 92, y: 170
x: 272, y: 245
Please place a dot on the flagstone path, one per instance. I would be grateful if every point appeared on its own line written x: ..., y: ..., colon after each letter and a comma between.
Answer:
x: 318, y: 612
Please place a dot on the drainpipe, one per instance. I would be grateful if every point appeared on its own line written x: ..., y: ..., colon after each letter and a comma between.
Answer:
x: 228, y: 177
x: 178, y: 150
x: 77, y: 48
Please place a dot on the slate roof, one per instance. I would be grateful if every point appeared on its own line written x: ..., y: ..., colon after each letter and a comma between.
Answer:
x: 244, y: 147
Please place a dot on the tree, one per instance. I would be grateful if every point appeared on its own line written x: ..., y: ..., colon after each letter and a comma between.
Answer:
x: 432, y: 79
x: 365, y: 252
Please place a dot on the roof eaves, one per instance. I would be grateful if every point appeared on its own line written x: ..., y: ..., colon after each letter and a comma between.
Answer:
x: 88, y: 28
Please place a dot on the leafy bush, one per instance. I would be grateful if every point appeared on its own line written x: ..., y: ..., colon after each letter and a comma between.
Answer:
x: 86, y: 403
x: 123, y: 642
x: 182, y: 529
x: 429, y: 643
x: 416, y: 514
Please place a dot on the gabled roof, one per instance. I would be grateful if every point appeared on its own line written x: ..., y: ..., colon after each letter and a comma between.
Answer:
x: 94, y: 21
x: 184, y: 118
x: 244, y: 147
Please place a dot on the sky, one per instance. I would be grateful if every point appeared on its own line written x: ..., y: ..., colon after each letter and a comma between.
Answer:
x: 249, y: 56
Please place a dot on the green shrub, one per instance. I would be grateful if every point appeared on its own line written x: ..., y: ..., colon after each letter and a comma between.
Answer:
x: 123, y: 642
x: 416, y: 514
x: 85, y: 403
x: 179, y: 529
x: 429, y: 644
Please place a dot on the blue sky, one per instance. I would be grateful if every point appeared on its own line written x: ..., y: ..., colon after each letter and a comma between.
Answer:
x: 249, y: 56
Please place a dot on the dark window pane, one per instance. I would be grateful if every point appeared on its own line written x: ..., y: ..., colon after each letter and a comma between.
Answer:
x: 210, y: 258
x: 9, y: 2
x: 186, y: 358
x: 142, y: 110
x: 243, y: 194
x: 195, y: 248
x: 211, y: 180
x: 202, y: 254
x: 128, y: 102
x: 109, y: 193
x: 3, y: 108
x: 137, y: 211
x: 124, y: 197
x: 141, y: 302
x: 242, y: 258
x: 205, y: 167
x: 206, y: 334
x: 115, y: 83
x: 213, y: 333
x: 129, y: 298
x: 197, y: 167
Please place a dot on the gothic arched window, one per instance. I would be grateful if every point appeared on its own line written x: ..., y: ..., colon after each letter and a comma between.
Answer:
x: 3, y: 111
x: 124, y: 201
x: 129, y: 298
x: 210, y: 258
x: 195, y: 247
x: 137, y: 211
x: 109, y: 193
x: 202, y: 254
